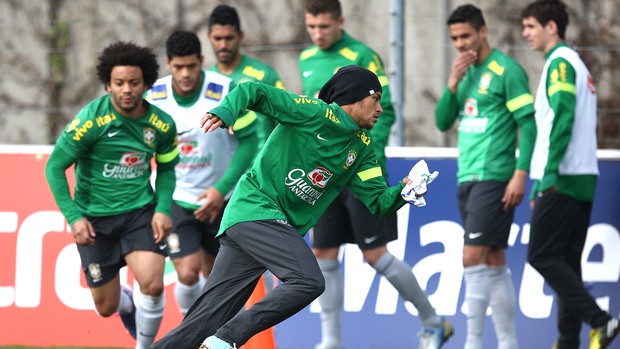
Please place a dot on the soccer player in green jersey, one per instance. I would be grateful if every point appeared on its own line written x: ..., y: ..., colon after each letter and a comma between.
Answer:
x: 565, y: 171
x: 209, y: 167
x: 348, y: 220
x: 286, y: 191
x: 226, y: 36
x: 116, y: 218
x: 488, y: 93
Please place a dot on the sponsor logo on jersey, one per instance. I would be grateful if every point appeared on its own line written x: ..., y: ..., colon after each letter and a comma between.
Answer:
x: 173, y: 243
x: 191, y: 157
x: 80, y: 131
x: 133, y: 158
x: 188, y: 147
x: 350, y: 159
x: 348, y: 53
x: 364, y: 137
x: 105, y: 119
x: 163, y: 126
x: 253, y: 72
x: 95, y: 272
x: 305, y: 100
x: 485, y: 82
x: 329, y: 114
x: 159, y: 92
x: 131, y: 165
x: 319, y: 176
x: 591, y: 84
x: 303, y: 186
x: 214, y: 91
x: 471, y: 107
x: 148, y: 135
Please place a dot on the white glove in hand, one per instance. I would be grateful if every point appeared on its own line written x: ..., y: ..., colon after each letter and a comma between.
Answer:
x: 420, y: 178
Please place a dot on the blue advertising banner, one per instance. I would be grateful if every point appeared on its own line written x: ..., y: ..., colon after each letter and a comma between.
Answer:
x: 431, y: 241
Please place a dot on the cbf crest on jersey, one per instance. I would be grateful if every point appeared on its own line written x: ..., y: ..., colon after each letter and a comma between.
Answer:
x: 149, y: 135
x: 350, y: 159
x: 214, y: 91
x: 485, y: 82
x: 95, y: 271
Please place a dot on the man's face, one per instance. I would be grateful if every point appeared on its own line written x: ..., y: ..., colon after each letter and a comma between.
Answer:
x: 465, y: 37
x: 126, y: 88
x: 366, y: 111
x: 323, y: 29
x: 225, y: 40
x: 185, y: 72
x: 537, y: 36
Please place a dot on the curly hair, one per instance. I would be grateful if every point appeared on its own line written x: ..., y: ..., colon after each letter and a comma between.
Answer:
x: 183, y: 43
x: 128, y: 54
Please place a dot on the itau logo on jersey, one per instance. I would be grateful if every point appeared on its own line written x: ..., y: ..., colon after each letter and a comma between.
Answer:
x: 319, y: 176
x: 133, y: 158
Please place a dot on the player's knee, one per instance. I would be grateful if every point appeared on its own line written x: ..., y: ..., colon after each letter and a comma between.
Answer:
x: 187, y: 277
x: 105, y: 308
x: 153, y: 288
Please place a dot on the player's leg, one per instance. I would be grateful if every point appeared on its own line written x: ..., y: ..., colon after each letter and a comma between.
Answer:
x: 146, y: 260
x: 332, y: 230
x: 503, y: 300
x: 486, y: 227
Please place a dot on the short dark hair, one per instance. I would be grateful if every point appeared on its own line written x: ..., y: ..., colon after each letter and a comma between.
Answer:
x: 183, y: 43
x: 467, y: 14
x: 317, y: 7
x: 225, y: 15
x: 128, y: 54
x: 548, y: 10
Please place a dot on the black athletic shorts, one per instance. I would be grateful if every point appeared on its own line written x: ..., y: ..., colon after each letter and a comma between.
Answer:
x: 189, y: 234
x: 348, y: 220
x: 117, y: 236
x: 484, y: 220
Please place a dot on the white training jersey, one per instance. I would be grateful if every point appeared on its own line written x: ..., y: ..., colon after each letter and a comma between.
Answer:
x: 580, y: 157
x: 204, y: 158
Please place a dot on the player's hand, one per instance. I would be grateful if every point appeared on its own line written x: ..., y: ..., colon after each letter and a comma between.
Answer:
x: 211, y: 122
x: 212, y: 207
x: 461, y: 63
x: 515, y: 190
x: 162, y: 226
x: 83, y: 232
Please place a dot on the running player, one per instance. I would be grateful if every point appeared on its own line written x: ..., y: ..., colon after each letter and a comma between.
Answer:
x: 115, y: 217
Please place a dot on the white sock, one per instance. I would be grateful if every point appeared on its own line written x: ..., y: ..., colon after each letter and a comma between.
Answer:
x: 477, y: 294
x: 148, y: 318
x: 125, y: 304
x: 399, y: 274
x: 186, y: 295
x: 503, y: 306
x: 331, y: 304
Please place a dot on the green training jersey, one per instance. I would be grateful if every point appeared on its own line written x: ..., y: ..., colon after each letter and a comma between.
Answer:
x: 113, y: 156
x: 317, y: 67
x: 310, y: 156
x: 491, y: 102
x: 251, y: 69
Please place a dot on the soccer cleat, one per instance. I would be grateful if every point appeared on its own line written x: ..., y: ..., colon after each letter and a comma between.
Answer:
x: 434, y: 338
x: 600, y: 337
x: 129, y: 319
x: 212, y: 342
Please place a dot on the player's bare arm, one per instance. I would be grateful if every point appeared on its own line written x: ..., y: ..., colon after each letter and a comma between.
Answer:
x: 212, y: 207
x: 162, y: 226
x: 83, y: 232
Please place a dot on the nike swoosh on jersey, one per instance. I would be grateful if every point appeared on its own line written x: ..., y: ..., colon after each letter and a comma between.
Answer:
x: 112, y: 134
x: 307, y: 73
x: 184, y: 132
x: 321, y: 138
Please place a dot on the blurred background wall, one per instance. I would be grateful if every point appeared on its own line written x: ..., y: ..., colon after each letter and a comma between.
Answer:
x: 49, y: 48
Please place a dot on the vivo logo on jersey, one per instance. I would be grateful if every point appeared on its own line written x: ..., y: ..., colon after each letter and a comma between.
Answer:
x: 295, y: 182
